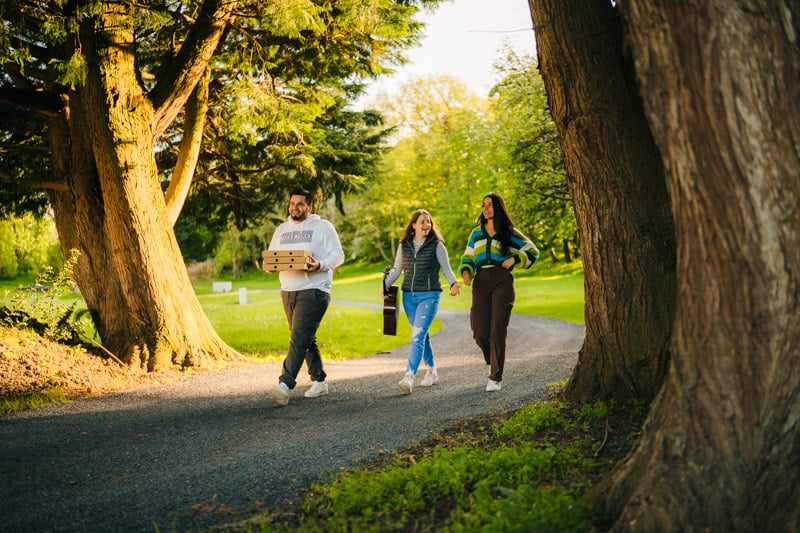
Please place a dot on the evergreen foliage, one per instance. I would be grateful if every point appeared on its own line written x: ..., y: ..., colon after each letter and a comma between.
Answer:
x: 277, y: 117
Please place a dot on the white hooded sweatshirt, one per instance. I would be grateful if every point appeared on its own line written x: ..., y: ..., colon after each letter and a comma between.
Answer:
x: 314, y: 234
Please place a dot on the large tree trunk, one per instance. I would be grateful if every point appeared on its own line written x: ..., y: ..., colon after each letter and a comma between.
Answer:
x: 622, y: 208
x: 721, y: 449
x: 130, y: 270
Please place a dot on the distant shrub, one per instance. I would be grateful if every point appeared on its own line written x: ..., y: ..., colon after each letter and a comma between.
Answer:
x: 207, y: 270
x: 27, y: 244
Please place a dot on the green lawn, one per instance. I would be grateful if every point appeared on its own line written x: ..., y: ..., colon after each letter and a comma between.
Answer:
x: 259, y: 328
x: 547, y: 289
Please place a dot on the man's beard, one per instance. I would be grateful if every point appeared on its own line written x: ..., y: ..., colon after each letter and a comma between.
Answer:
x: 299, y: 218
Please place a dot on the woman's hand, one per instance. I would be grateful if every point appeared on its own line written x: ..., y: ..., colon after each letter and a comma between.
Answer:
x: 454, y: 289
x: 508, y: 263
x: 466, y: 277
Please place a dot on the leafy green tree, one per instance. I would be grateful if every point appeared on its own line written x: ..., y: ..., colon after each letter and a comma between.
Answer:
x: 123, y: 89
x: 453, y: 147
x: 28, y: 245
x: 8, y: 257
x: 438, y: 162
x: 534, y: 173
x: 336, y: 156
x: 196, y: 237
x: 25, y: 172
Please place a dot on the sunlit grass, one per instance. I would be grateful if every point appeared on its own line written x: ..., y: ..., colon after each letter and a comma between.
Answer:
x: 52, y: 396
x: 548, y: 289
x: 506, y: 479
x: 258, y: 327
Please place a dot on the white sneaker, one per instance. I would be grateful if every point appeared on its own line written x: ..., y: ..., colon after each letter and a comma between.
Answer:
x: 407, y: 383
x: 318, y: 388
x: 492, y: 386
x: 430, y: 378
x: 281, y: 393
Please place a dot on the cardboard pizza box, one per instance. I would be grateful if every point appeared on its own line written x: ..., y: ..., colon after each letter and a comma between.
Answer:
x: 273, y: 260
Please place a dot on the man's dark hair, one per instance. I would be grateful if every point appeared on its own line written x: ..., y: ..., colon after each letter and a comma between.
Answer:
x: 302, y: 192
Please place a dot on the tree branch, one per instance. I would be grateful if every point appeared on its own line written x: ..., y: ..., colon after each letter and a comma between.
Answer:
x: 44, y: 102
x: 194, y: 117
x: 49, y: 186
x: 179, y: 76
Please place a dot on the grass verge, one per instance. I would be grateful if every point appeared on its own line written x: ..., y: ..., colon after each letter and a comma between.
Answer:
x: 518, y: 471
x: 51, y: 396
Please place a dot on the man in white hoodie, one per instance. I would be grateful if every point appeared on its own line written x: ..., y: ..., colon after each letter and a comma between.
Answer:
x: 305, y: 293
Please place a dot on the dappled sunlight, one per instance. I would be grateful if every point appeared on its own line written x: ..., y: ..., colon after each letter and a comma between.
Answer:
x: 553, y: 278
x: 357, y: 279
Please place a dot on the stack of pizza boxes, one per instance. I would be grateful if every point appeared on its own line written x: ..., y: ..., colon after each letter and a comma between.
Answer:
x: 285, y: 260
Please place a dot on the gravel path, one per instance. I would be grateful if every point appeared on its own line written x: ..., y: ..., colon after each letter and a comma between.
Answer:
x: 211, y: 449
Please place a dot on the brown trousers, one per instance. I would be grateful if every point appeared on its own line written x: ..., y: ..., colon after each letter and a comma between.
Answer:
x: 492, y: 300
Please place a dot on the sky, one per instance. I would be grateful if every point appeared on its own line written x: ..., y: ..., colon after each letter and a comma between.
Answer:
x: 463, y: 39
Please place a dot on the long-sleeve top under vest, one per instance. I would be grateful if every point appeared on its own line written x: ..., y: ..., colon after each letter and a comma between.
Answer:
x: 421, y: 263
x: 483, y: 251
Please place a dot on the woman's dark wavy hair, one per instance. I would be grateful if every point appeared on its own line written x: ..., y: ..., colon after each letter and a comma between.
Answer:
x: 408, y: 233
x: 503, y: 225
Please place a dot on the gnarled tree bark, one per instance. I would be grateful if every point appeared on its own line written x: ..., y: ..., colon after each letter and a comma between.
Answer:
x: 721, y: 449
x: 621, y: 204
x: 130, y: 270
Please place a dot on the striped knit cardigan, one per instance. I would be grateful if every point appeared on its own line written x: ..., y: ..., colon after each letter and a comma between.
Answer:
x: 483, y: 250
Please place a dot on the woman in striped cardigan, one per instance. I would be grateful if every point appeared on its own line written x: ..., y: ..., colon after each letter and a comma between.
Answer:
x: 494, y: 249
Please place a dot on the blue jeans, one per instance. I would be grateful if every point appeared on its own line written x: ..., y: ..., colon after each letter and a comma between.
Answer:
x: 420, y: 308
